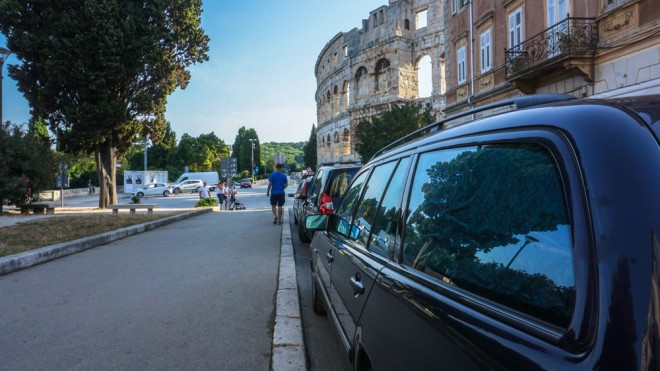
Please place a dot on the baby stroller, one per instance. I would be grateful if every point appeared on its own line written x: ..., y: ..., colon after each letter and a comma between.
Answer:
x: 235, y: 203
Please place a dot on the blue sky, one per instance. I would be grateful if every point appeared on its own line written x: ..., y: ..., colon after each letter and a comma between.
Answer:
x: 260, y: 73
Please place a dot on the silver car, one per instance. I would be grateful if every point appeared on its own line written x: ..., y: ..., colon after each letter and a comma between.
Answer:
x: 153, y: 189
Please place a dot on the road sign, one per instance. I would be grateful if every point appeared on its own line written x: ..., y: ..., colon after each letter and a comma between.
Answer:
x: 279, y: 158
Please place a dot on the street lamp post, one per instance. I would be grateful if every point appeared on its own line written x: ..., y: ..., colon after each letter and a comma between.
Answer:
x: 4, y: 54
x: 252, y: 170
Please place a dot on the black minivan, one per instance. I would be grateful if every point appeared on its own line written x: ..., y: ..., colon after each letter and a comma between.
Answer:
x: 524, y: 240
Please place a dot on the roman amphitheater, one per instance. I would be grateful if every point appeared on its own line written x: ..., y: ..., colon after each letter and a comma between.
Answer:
x: 395, y: 58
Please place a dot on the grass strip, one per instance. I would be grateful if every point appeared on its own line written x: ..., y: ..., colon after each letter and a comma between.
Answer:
x: 42, y: 232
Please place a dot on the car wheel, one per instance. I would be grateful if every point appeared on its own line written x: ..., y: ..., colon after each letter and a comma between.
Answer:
x: 295, y: 219
x: 166, y: 193
x: 302, y: 235
x: 177, y: 190
x: 317, y: 303
x: 140, y: 194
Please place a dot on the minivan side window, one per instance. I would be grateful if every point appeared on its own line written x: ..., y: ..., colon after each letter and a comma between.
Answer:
x: 316, y: 185
x: 384, y: 229
x: 346, y: 207
x: 492, y: 220
x: 370, y: 202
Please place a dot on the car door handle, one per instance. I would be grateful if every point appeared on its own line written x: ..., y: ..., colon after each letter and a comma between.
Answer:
x: 356, y: 284
x: 329, y: 257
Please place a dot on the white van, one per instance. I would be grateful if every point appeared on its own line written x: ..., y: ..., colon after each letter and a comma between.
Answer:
x: 210, y: 177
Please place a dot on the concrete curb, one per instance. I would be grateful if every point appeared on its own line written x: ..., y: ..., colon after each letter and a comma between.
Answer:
x: 288, y: 352
x: 13, y: 263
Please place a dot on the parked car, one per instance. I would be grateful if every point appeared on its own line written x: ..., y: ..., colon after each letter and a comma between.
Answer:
x: 153, y: 189
x: 300, y: 196
x: 324, y: 193
x: 190, y: 185
x: 246, y: 183
x: 525, y: 240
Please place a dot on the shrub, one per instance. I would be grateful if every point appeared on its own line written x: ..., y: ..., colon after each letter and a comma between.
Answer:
x: 206, y: 202
x: 135, y: 199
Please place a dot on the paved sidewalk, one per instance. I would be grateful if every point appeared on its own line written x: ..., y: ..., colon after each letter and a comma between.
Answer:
x: 288, y: 349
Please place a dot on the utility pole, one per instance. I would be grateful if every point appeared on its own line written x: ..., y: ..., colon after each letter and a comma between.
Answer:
x: 252, y: 169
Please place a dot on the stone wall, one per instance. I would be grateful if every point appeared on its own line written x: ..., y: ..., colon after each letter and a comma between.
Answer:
x: 363, y: 72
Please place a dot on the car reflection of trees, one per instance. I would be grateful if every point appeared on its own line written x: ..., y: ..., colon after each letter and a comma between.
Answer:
x: 481, y: 200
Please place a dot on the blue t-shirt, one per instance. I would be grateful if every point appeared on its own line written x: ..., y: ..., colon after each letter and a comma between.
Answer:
x: 278, y: 180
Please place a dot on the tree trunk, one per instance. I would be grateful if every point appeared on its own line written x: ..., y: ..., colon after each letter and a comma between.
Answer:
x: 105, y: 163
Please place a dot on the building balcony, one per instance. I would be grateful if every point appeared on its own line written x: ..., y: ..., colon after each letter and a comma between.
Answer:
x: 565, y: 49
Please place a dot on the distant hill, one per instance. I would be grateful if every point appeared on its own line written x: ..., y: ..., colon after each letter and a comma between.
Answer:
x: 293, y: 154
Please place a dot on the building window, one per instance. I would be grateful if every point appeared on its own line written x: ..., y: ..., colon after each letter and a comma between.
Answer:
x: 345, y: 51
x: 611, y: 4
x: 486, y: 54
x: 422, y: 19
x: 375, y: 20
x: 461, y: 63
x: 457, y: 5
x: 516, y: 29
x: 406, y: 24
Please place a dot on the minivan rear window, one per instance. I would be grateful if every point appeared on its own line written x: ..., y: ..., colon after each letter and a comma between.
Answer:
x: 492, y: 220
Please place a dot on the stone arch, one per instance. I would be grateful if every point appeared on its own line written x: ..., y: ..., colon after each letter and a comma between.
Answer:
x: 335, y: 101
x: 328, y: 102
x: 424, y: 77
x: 443, y: 77
x: 346, y: 142
x: 346, y: 94
x: 361, y: 82
x: 382, y: 75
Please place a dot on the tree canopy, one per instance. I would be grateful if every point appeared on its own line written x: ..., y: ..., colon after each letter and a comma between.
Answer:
x: 242, y: 149
x: 382, y: 130
x: 26, y: 164
x: 99, y: 72
x: 309, y: 157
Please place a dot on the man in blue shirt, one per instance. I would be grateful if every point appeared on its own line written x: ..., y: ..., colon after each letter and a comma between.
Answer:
x: 277, y: 182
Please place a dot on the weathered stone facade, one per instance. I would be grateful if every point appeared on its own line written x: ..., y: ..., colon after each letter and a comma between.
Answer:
x: 361, y: 73
x: 481, y: 52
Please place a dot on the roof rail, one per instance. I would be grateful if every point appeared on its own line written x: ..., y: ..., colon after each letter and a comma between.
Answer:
x: 518, y: 102
x: 337, y: 163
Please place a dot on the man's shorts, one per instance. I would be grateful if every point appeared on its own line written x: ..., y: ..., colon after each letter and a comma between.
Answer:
x: 277, y: 199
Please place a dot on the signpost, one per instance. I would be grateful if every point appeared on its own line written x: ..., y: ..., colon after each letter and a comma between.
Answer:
x: 62, y: 180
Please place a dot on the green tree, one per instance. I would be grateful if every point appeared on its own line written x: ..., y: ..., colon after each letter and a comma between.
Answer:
x: 292, y: 152
x: 38, y: 129
x: 371, y: 136
x: 99, y: 72
x: 309, y: 157
x: 27, y: 165
x: 242, y: 148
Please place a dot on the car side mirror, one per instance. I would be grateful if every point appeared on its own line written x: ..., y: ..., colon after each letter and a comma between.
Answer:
x: 317, y: 222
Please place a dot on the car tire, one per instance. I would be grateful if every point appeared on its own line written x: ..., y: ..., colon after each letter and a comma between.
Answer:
x: 295, y: 219
x: 166, y: 193
x: 317, y: 303
x: 177, y: 190
x: 140, y: 194
x: 302, y: 235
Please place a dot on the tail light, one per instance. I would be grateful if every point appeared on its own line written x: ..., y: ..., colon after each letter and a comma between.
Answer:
x: 325, y: 205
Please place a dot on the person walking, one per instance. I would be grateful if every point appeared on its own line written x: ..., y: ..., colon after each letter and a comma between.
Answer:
x: 277, y: 183
x: 204, y: 191
x: 90, y: 187
x: 220, y: 191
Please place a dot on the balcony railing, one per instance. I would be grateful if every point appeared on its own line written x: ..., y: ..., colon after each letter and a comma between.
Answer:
x: 572, y: 37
